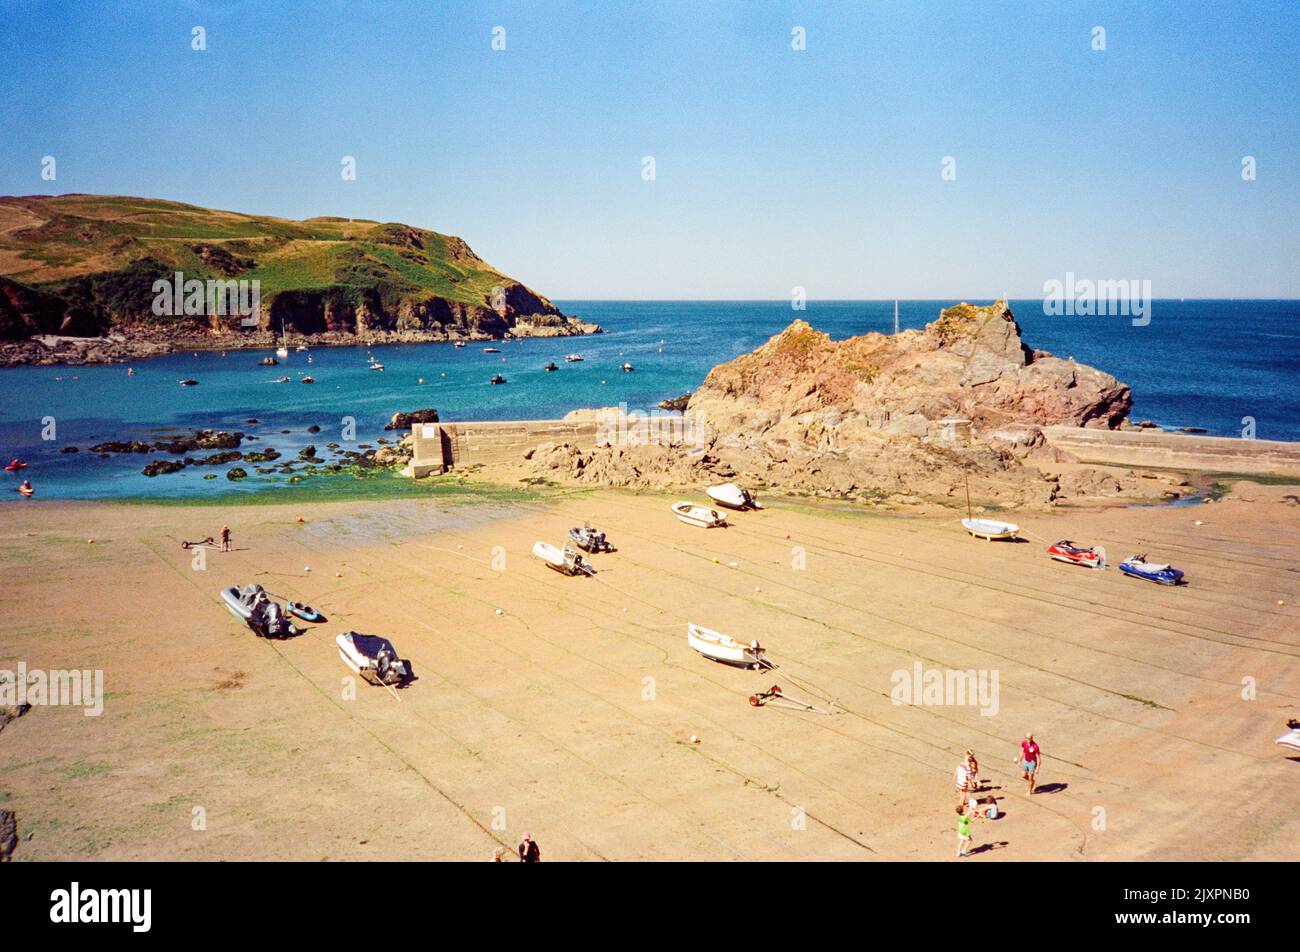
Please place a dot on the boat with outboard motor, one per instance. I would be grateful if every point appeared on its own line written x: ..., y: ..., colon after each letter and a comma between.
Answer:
x: 590, y: 539
x: 733, y: 497
x: 374, y: 658
x: 255, y: 608
x: 566, y: 561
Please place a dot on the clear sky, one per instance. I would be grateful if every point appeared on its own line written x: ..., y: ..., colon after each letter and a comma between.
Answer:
x: 774, y: 167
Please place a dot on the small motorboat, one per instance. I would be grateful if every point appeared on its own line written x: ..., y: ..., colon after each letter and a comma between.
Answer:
x: 1161, y: 573
x: 15, y: 465
x: 1291, y: 741
x: 300, y: 348
x: 719, y: 647
x: 282, y: 379
x: 732, y: 496
x: 305, y: 612
x: 376, y: 366
x: 590, y: 539
x: 574, y: 358
x: 551, y: 366
x: 497, y: 378
x: 701, y: 516
x: 491, y: 350
x: 628, y: 368
x: 990, y: 529
x: 374, y: 658
x: 1067, y: 551
x: 255, y: 608
x: 268, y: 362
x: 566, y: 561
x: 188, y: 382
x: 307, y: 380
x: 459, y: 344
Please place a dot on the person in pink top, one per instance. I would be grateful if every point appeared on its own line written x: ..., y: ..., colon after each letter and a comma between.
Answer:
x: 1029, y: 759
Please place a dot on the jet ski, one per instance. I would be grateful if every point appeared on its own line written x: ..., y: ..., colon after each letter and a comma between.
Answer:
x: 1067, y: 551
x: 1158, y: 572
x: 590, y: 539
x: 374, y: 658
x: 254, y: 607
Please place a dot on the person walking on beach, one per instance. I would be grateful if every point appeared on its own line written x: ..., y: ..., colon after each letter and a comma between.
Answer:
x: 225, y: 538
x: 1031, y: 756
x: 528, y: 851
x: 973, y: 771
x: 963, y: 831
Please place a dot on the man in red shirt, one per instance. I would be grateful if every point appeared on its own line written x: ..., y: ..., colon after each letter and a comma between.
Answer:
x: 1031, y: 755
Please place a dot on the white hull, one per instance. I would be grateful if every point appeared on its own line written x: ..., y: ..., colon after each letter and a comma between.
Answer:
x: 720, y: 647
x: 732, y: 496
x: 990, y: 529
x: 560, y: 560
x: 700, y: 516
x: 1291, y: 740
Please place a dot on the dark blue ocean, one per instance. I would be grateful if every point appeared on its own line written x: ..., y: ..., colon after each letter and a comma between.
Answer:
x: 1209, y: 364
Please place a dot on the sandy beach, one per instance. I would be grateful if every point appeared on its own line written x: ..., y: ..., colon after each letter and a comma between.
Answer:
x: 566, y: 706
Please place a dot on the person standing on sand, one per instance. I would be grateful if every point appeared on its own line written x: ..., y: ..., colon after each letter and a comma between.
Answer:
x: 961, y: 779
x: 528, y: 851
x: 225, y: 538
x: 963, y: 831
x: 1031, y: 756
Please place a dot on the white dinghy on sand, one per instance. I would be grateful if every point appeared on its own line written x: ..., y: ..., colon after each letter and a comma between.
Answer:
x: 701, y: 516
x: 990, y: 529
x: 566, y: 561
x: 719, y: 647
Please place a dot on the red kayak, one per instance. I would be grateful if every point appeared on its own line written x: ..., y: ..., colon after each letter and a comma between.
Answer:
x: 16, y: 465
x: 1067, y: 551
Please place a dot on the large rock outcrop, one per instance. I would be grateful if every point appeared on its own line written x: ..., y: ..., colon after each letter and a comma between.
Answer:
x: 970, y: 364
x: 907, y: 418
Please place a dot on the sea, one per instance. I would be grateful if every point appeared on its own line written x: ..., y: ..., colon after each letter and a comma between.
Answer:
x: 1228, y: 367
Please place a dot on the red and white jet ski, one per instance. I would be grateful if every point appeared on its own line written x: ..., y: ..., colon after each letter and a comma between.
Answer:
x: 1067, y: 551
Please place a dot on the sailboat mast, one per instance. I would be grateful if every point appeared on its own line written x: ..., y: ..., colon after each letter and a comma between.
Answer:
x: 895, y: 315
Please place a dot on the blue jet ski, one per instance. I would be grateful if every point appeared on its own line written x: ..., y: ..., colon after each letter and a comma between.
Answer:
x: 1160, y: 573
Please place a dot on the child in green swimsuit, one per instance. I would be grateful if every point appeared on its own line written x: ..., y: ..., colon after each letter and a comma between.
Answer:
x: 963, y: 832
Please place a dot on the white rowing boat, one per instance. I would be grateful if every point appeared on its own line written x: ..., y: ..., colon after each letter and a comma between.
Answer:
x: 720, y: 647
x: 732, y: 496
x: 701, y: 516
x: 566, y: 561
x: 990, y: 529
x: 1291, y: 740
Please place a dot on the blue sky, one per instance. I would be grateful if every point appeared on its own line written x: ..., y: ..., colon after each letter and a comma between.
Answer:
x: 774, y: 168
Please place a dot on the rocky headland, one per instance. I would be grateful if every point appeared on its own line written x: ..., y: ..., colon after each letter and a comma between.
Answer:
x: 906, y: 419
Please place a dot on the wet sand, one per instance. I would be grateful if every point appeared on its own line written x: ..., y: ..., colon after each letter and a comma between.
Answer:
x: 570, y: 713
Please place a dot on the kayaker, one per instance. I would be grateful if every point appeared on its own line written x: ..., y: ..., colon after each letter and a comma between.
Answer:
x: 225, y: 538
x: 1030, y: 758
x: 528, y: 851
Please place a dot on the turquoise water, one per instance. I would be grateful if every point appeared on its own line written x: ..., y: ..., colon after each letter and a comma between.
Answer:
x: 1198, y: 363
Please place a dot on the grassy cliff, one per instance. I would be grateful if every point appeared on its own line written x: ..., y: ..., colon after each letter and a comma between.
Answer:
x: 80, y: 264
